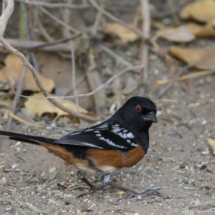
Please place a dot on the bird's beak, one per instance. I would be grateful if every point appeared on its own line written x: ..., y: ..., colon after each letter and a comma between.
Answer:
x: 150, y: 117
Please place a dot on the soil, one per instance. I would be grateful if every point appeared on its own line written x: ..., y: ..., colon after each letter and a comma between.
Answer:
x: 179, y: 161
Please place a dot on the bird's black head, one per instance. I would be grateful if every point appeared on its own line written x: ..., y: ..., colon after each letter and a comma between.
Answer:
x: 138, y: 113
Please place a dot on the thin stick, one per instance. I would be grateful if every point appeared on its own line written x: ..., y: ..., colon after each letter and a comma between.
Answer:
x: 66, y: 19
x: 112, y: 53
x: 95, y: 5
x: 54, y: 5
x: 100, y: 87
x: 7, y: 10
x: 58, y: 20
x: 29, y: 44
x: 145, y: 11
x: 55, y: 42
x: 18, y: 93
x: 42, y: 28
x: 172, y: 9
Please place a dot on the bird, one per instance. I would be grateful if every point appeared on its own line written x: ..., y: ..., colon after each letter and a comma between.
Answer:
x: 121, y: 141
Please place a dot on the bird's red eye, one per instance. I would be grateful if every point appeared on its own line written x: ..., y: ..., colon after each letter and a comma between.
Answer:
x: 138, y: 108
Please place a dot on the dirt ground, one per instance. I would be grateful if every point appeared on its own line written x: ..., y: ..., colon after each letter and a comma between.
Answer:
x: 179, y: 161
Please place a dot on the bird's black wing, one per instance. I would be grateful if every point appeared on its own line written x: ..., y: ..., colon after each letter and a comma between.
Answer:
x: 103, y: 136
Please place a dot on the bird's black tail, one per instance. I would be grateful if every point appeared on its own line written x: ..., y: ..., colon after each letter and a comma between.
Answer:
x: 26, y: 138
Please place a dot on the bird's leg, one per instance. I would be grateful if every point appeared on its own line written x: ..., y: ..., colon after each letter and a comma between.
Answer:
x: 131, y: 193
x: 93, y: 188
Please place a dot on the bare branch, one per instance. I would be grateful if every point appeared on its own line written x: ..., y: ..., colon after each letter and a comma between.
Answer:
x: 41, y: 46
x: 54, y: 5
x: 8, y: 7
x: 145, y: 11
x: 59, y: 21
x: 56, y: 42
x: 95, y: 5
x: 100, y: 87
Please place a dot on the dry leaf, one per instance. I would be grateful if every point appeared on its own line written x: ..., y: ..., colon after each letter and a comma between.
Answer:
x: 212, y: 143
x: 208, y: 30
x: 194, y: 28
x: 201, y: 11
x: 191, y: 55
x: 131, y: 85
x: 39, y: 105
x: 180, y: 34
x: 184, y: 77
x: 126, y: 35
x: 157, y: 25
x: 6, y: 102
x: 13, y: 69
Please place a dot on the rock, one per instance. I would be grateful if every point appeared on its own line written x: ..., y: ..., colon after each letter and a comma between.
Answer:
x: 3, y: 181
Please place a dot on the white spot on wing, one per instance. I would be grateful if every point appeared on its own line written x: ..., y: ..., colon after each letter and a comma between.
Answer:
x: 134, y: 145
x: 128, y: 141
x: 97, y: 131
x: 89, y: 130
x: 98, y: 135
x: 90, y: 145
x: 111, y: 143
x: 75, y: 133
x: 104, y: 126
x: 130, y: 135
x: 124, y: 136
x: 116, y: 129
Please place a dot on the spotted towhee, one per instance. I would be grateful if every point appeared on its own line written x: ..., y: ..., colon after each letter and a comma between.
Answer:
x: 121, y: 141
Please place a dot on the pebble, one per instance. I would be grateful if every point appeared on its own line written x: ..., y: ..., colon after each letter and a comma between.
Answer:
x: 204, y: 122
x: 52, y: 169
x: 8, y: 208
x: 14, y: 166
x: 17, y: 143
x: 3, y: 181
x: 17, y: 149
x: 205, y: 153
